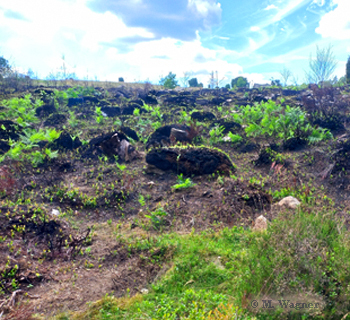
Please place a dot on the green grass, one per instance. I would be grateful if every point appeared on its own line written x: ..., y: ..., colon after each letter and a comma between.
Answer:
x: 298, y: 254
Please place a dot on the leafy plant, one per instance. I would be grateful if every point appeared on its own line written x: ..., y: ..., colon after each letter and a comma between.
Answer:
x: 271, y: 120
x: 183, y: 183
x: 99, y: 115
x: 21, y: 110
x: 234, y: 138
x: 216, y: 134
x: 157, y: 217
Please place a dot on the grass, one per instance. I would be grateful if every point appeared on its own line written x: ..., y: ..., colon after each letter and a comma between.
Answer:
x: 225, y: 271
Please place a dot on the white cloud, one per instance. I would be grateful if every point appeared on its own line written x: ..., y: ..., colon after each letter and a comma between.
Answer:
x: 271, y: 7
x: 319, y: 2
x: 48, y: 23
x: 254, y: 28
x: 204, y: 7
x: 141, y: 60
x: 289, y: 7
x: 336, y: 23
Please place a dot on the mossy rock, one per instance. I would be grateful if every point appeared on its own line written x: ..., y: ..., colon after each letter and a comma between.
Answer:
x: 191, y: 161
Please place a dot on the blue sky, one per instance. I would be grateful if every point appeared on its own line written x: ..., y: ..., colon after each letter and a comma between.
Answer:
x: 146, y: 39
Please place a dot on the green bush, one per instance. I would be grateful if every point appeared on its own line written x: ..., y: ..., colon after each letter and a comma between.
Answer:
x: 240, y: 82
x: 271, y: 120
x: 169, y: 81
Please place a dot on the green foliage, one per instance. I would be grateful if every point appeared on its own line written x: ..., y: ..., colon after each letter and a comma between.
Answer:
x: 157, y: 217
x: 21, y: 110
x: 37, y: 157
x: 269, y: 119
x: 183, y: 183
x: 141, y: 200
x: 216, y: 134
x: 240, y: 82
x: 99, y: 115
x: 32, y: 136
x: 28, y: 141
x: 234, y: 138
x: 193, y: 82
x: 213, y: 268
x: 169, y: 81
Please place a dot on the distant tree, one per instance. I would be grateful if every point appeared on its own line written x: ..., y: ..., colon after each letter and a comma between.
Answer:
x: 240, y: 82
x: 30, y: 73
x: 5, y: 68
x: 322, y: 67
x: 285, y: 74
x: 276, y: 82
x: 341, y: 82
x: 347, y: 74
x: 228, y: 86
x: 193, y: 82
x: 200, y: 85
x: 121, y: 79
x: 169, y: 81
x: 295, y: 80
x: 185, y: 79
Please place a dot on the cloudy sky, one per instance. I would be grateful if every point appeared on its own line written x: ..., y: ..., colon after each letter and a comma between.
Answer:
x: 143, y: 40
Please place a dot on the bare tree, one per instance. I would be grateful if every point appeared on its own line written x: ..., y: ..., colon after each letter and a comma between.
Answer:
x: 321, y: 67
x: 185, y: 78
x: 285, y: 74
x: 295, y: 80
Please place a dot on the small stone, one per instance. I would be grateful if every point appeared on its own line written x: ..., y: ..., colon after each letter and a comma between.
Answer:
x: 144, y: 291
x: 260, y: 223
x: 289, y: 202
x: 55, y: 212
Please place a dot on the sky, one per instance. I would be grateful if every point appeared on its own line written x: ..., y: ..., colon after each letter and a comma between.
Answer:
x: 144, y: 40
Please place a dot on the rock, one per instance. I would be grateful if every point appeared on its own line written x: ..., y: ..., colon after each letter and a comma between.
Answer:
x: 111, y: 111
x: 178, y: 135
x: 55, y: 119
x: 74, y: 102
x: 144, y: 291
x: 289, y: 202
x: 260, y: 223
x: 9, y: 130
x: 130, y: 133
x: 112, y: 144
x: 161, y: 137
x: 229, y: 126
x: 190, y: 161
x: 295, y: 144
x: 202, y: 116
x: 45, y: 110
x: 65, y: 141
x: 55, y: 212
x: 91, y: 100
x: 4, y: 147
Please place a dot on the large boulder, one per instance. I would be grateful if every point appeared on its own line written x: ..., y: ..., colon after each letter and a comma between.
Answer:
x: 190, y: 161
